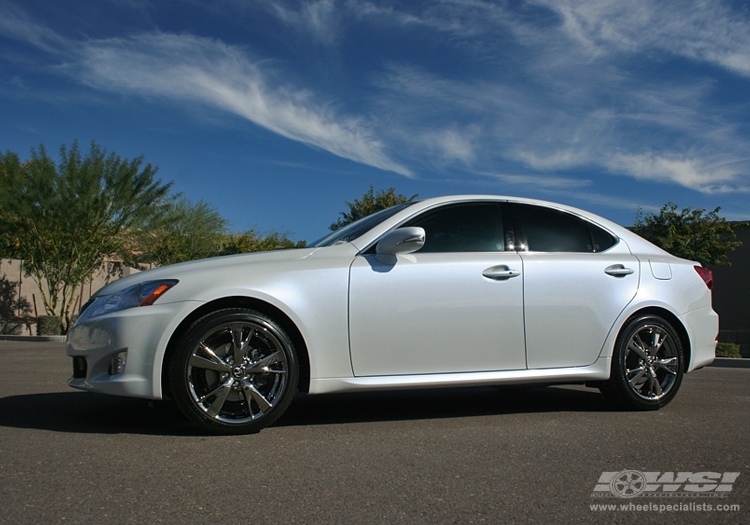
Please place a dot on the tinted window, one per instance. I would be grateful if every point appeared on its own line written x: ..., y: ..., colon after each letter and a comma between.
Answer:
x: 602, y: 239
x: 466, y: 227
x: 547, y: 230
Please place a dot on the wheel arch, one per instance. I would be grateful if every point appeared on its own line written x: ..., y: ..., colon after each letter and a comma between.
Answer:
x: 252, y: 304
x: 673, y: 320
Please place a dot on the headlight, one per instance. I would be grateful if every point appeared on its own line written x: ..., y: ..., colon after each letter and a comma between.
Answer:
x: 142, y: 294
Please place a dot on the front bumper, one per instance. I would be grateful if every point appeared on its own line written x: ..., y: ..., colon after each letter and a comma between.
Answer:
x: 140, y: 335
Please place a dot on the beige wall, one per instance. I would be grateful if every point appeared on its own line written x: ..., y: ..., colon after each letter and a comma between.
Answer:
x: 26, y: 287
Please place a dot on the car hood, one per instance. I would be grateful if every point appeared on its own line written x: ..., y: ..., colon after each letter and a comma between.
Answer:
x: 223, y: 264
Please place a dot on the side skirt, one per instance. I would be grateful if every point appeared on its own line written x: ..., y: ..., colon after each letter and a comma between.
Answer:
x: 598, y: 371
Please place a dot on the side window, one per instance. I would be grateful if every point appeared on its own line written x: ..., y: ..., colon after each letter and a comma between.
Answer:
x: 603, y: 240
x: 466, y: 227
x: 548, y: 230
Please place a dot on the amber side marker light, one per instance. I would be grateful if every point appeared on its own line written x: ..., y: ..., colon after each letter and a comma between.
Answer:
x: 158, y: 292
x: 707, y: 276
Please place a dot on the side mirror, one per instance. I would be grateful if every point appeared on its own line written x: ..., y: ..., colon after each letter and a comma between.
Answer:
x: 402, y: 240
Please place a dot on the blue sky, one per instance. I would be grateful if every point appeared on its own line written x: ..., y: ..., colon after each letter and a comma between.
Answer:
x: 276, y: 112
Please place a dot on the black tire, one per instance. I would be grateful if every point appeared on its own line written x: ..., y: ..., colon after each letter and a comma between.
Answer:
x: 647, y: 365
x: 234, y: 372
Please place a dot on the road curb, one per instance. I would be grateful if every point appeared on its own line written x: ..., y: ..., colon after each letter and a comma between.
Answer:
x: 729, y: 362
x: 34, y: 338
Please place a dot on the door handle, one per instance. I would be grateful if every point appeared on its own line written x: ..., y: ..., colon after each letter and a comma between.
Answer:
x: 500, y: 273
x: 618, y: 270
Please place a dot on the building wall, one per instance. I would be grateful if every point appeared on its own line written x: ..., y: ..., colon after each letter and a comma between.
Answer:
x: 12, y: 270
x: 731, y: 296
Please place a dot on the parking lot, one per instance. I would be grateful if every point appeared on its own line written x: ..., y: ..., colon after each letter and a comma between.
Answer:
x: 479, y: 455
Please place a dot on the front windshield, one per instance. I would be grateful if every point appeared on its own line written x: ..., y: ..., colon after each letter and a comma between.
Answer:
x: 360, y: 227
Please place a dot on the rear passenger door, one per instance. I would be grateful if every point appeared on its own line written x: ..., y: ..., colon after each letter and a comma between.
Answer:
x: 577, y: 278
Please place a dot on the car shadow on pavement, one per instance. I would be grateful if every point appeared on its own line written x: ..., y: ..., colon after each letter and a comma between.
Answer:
x: 440, y: 404
x: 84, y: 412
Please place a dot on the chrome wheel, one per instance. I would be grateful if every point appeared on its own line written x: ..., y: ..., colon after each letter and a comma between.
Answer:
x: 652, y: 362
x: 237, y: 371
x: 647, y: 365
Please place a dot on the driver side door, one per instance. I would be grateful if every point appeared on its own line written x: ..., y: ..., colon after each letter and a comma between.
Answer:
x: 456, y: 305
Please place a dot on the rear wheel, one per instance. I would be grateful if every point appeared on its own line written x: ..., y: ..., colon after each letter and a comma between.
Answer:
x: 234, y: 372
x: 647, y: 366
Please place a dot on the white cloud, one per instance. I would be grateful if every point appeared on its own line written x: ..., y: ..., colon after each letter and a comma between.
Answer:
x: 609, y: 202
x: 587, y: 105
x: 543, y: 182
x: 442, y: 16
x: 703, y: 30
x: 546, y: 85
x: 686, y: 171
x: 185, y: 67
x: 562, y: 159
x: 452, y: 145
x: 203, y: 70
x: 318, y: 18
x: 16, y: 24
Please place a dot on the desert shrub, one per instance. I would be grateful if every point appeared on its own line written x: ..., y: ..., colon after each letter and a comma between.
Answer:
x: 727, y: 350
x: 48, y: 325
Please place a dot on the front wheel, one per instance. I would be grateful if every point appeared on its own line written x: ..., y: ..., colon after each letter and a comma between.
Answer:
x: 234, y: 372
x: 647, y: 365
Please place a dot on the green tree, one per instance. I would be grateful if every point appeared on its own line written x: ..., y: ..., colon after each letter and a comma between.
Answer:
x: 185, y: 231
x: 692, y: 234
x: 62, y: 219
x: 253, y: 241
x: 370, y: 203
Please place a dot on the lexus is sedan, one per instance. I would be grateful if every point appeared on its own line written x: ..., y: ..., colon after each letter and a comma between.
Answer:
x: 451, y: 291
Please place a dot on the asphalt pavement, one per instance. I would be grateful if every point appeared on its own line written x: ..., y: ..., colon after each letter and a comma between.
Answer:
x: 449, y: 456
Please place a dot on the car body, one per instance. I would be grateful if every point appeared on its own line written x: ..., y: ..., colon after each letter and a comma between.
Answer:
x: 464, y: 290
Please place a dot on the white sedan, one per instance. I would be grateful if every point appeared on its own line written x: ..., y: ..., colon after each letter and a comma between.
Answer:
x: 450, y: 291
